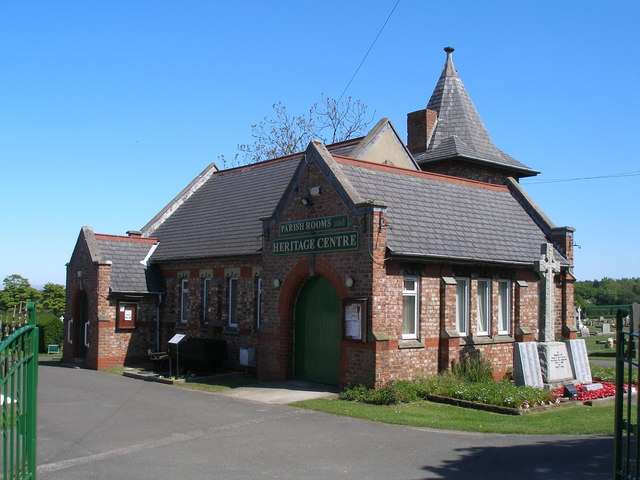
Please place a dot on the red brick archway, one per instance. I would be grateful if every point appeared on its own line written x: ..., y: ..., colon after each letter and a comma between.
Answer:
x: 296, y: 278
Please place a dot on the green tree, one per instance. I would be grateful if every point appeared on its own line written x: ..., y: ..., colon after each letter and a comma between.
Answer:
x: 607, y: 291
x: 17, y: 290
x: 53, y: 298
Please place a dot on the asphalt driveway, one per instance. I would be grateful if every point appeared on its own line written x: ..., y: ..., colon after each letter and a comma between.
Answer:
x: 95, y: 425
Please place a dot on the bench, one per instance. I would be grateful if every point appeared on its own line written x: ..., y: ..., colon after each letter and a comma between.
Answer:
x: 156, y: 356
x: 53, y: 350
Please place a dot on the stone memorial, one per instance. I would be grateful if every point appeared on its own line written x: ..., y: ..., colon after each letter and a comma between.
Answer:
x: 579, y: 360
x: 593, y: 387
x: 606, y: 328
x: 584, y: 332
x: 554, y: 364
x: 547, y: 266
x: 526, y: 365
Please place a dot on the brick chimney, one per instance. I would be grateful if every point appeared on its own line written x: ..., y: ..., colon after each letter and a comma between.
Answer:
x: 420, y: 127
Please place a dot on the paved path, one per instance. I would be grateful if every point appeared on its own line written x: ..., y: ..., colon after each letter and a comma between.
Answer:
x: 99, y: 426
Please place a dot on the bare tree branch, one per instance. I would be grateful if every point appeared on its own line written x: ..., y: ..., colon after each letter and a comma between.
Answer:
x: 283, y: 134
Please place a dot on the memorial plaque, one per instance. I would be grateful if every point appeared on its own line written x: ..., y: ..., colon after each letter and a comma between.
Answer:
x: 554, y: 363
x: 526, y: 365
x: 593, y: 387
x: 579, y: 359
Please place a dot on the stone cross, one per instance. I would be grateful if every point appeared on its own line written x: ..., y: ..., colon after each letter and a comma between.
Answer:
x: 548, y: 267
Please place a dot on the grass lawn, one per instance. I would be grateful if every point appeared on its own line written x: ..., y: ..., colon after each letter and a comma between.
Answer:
x: 567, y: 419
x: 213, y: 383
x: 217, y: 383
x: 50, y: 357
x: 595, y: 350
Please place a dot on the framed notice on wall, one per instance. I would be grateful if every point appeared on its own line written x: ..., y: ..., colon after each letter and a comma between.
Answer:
x: 355, y: 318
x: 127, y: 313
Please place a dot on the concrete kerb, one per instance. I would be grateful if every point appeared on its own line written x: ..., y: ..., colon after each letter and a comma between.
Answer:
x: 277, y: 392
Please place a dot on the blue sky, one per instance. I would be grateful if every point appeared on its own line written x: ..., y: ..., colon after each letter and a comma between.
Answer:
x: 109, y: 108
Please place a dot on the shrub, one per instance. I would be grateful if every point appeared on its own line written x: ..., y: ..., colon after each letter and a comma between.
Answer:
x: 472, y: 368
x: 390, y: 394
x: 502, y: 394
x: 50, y: 330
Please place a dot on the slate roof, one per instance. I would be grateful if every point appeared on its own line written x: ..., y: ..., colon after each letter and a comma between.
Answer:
x: 459, y: 131
x: 223, y: 216
x: 128, y: 274
x: 431, y: 215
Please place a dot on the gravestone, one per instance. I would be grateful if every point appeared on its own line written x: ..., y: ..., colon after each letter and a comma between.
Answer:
x: 554, y: 364
x: 606, y: 328
x: 584, y: 331
x: 526, y: 365
x: 578, y: 317
x: 579, y: 360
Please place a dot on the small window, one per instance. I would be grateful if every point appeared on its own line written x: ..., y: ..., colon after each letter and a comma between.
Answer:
x: 206, y: 299
x: 258, y: 306
x: 504, y: 307
x: 233, y: 300
x: 483, y: 314
x: 410, y: 308
x: 184, y: 300
x: 462, y: 306
x: 127, y: 314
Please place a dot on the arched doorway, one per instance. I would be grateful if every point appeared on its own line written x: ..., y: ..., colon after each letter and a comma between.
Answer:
x: 317, y: 332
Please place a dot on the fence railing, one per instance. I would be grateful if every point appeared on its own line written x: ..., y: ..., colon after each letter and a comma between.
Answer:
x: 18, y: 393
x: 627, y: 446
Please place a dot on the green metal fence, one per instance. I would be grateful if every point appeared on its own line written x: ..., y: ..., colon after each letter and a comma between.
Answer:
x: 627, y: 447
x: 18, y: 393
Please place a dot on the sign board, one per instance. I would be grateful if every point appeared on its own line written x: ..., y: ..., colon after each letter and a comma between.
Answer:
x: 354, y: 318
x: 331, y: 242
x: 312, y: 225
x: 176, y: 339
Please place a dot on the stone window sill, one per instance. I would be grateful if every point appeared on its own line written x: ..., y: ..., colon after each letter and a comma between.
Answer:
x: 410, y: 344
x: 231, y: 330
x: 487, y: 339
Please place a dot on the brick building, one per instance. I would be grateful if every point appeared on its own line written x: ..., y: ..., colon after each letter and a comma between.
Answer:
x: 360, y: 262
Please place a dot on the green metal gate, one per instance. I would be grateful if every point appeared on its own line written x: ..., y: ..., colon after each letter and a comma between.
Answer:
x: 18, y: 394
x: 627, y: 447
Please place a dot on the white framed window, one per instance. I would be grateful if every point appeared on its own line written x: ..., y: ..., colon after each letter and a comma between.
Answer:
x: 410, y: 308
x: 233, y: 301
x: 206, y: 299
x: 462, y: 306
x: 483, y: 312
x: 504, y: 307
x: 258, y: 315
x: 184, y: 300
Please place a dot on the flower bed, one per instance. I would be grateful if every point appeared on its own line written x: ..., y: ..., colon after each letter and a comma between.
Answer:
x: 498, y: 394
x: 584, y: 394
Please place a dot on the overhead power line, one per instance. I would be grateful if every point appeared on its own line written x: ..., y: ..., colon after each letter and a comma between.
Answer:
x: 367, y: 54
x: 634, y: 173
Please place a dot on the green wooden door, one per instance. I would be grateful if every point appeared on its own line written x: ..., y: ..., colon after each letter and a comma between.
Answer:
x: 317, y: 332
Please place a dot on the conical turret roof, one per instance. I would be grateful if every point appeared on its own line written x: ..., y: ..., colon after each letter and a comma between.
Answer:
x: 459, y: 131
